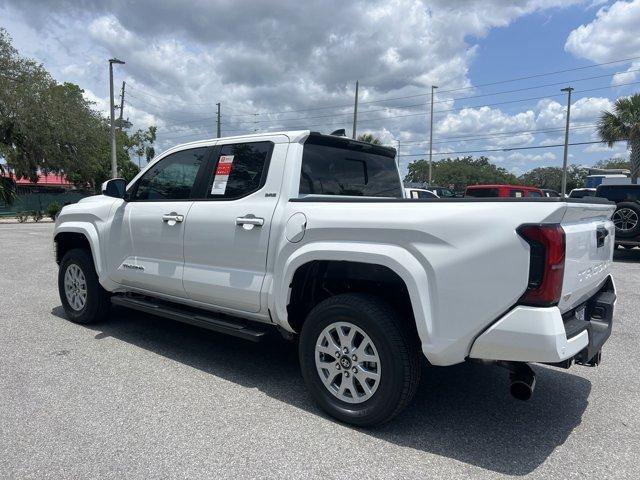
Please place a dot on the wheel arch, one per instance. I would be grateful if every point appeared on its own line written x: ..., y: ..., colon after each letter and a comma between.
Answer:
x: 395, y: 264
x: 76, y: 235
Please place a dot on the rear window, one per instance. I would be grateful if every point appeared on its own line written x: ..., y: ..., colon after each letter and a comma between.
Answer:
x: 619, y: 194
x: 343, y: 167
x: 581, y: 193
x: 422, y: 194
x: 481, y: 192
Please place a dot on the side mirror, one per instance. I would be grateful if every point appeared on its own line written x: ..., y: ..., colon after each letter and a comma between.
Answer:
x: 114, y: 188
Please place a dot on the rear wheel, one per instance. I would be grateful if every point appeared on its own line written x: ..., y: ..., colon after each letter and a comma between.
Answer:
x: 360, y: 362
x: 83, y: 298
x: 626, y: 219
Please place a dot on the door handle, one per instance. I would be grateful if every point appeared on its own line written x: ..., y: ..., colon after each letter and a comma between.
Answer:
x: 172, y: 218
x: 249, y: 221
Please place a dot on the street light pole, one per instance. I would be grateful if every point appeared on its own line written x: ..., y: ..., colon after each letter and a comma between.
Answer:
x: 355, y: 113
x: 114, y: 161
x: 566, y: 141
x: 218, y: 121
x: 433, y: 88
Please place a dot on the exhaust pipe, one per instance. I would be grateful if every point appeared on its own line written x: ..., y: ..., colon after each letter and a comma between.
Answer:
x: 522, y: 378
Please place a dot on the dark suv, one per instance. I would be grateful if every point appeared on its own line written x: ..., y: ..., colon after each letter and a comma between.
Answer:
x: 627, y: 215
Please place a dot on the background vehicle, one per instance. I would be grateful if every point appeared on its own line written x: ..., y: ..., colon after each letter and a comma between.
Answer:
x: 626, y: 218
x: 518, y: 191
x: 443, y: 192
x: 598, y: 176
x: 311, y: 234
x: 419, y: 193
x: 550, y: 193
x: 582, y: 192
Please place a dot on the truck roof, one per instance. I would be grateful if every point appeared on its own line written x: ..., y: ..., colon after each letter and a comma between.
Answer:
x: 293, y: 135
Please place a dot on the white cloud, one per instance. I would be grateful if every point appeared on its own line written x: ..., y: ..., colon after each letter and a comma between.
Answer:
x: 628, y: 76
x: 182, y: 60
x: 612, y: 35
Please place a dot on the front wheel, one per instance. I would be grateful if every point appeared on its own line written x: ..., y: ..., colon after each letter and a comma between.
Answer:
x: 83, y: 298
x: 359, y: 360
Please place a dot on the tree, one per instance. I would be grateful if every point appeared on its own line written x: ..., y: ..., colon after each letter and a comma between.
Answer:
x: 460, y: 172
x: 51, y: 127
x: 624, y: 124
x: 614, y: 163
x: 142, y: 143
x: 551, y: 177
x: 369, y: 138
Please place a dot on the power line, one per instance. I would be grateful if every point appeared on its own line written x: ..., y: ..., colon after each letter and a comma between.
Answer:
x: 507, y: 149
x: 499, y: 82
x: 345, y: 116
x: 501, y: 134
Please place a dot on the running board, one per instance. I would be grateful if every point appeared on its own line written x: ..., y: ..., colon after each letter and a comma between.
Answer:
x: 208, y: 320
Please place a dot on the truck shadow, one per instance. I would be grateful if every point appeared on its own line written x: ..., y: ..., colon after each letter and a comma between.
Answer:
x: 462, y: 412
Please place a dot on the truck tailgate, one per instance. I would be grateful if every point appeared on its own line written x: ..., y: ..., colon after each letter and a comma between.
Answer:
x: 589, y: 251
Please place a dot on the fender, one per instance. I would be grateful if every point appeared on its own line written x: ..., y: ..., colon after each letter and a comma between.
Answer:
x: 90, y: 231
x: 396, y: 258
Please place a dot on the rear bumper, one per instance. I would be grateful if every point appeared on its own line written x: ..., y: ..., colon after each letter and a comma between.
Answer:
x: 544, y: 335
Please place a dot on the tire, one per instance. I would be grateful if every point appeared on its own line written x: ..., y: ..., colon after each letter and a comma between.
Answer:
x: 396, y: 348
x: 97, y: 302
x: 627, y: 220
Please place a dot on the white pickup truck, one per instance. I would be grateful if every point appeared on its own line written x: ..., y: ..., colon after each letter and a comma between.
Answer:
x: 310, y: 234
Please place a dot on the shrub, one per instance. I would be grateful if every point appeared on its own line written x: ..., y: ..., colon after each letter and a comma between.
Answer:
x: 53, y: 210
x: 22, y: 217
x: 37, y: 215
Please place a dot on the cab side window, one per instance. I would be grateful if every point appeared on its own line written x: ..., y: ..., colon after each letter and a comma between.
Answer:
x: 240, y: 170
x: 173, y: 177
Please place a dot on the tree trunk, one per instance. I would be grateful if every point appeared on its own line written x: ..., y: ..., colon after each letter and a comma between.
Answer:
x: 635, y: 160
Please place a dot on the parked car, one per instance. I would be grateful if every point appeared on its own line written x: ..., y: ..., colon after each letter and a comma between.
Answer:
x: 582, y: 192
x: 550, y: 193
x: 443, y: 192
x: 626, y: 218
x: 419, y: 193
x: 517, y: 191
x: 310, y: 235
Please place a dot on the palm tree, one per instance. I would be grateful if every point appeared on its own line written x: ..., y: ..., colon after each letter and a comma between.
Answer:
x: 369, y: 138
x: 624, y: 124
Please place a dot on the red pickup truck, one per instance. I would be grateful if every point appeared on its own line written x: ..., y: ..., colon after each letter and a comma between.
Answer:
x: 502, y: 191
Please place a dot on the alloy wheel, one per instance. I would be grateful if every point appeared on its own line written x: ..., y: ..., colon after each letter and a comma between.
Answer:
x: 347, y: 362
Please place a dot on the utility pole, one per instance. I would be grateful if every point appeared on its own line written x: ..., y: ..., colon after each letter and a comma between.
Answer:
x: 566, y: 141
x: 121, y: 107
x: 218, y: 120
x: 355, y: 113
x: 433, y: 89
x: 114, y: 162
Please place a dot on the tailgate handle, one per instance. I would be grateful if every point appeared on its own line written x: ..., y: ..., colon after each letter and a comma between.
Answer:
x: 601, y: 234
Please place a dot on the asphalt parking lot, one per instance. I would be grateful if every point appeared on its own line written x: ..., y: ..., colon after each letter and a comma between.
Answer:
x: 142, y: 397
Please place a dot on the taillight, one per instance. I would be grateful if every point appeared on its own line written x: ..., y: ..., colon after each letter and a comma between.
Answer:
x: 546, y: 264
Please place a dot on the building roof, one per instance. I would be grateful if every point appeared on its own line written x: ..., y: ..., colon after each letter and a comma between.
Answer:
x: 49, y: 179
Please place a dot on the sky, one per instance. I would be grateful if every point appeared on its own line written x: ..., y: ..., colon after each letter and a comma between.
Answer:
x: 285, y: 64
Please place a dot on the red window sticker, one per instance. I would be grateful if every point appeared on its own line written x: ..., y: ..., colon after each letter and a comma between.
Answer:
x: 223, y: 170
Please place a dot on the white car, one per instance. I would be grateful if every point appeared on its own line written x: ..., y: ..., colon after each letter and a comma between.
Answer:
x: 310, y: 234
x: 411, y: 192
